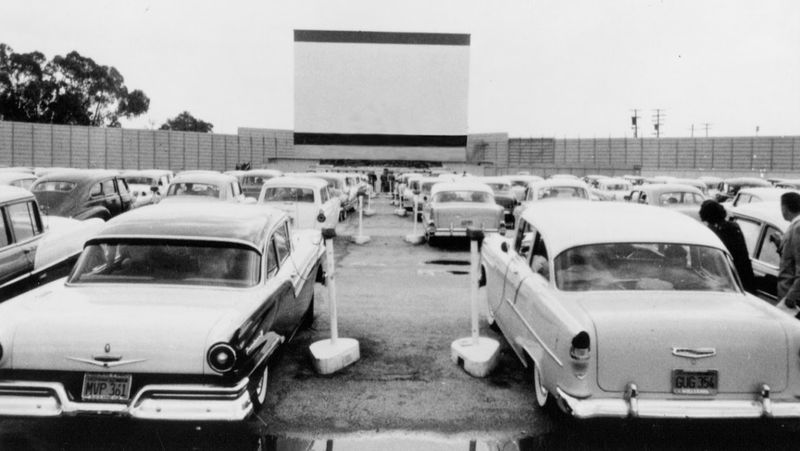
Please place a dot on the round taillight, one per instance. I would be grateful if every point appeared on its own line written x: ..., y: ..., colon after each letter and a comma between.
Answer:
x: 321, y: 217
x: 221, y: 357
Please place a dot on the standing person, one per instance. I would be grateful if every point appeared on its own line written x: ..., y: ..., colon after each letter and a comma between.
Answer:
x: 789, y: 272
x: 714, y: 215
x: 384, y: 180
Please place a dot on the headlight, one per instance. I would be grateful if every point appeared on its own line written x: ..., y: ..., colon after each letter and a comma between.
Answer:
x: 221, y: 357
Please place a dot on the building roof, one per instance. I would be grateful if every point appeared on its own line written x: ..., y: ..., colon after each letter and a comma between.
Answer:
x: 565, y: 224
x: 227, y: 222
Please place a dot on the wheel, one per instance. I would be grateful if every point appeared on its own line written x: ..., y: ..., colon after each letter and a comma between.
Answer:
x: 258, y: 388
x: 542, y: 396
x: 308, y: 316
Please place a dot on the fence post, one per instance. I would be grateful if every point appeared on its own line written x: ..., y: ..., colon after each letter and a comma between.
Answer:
x: 694, y: 157
x: 12, y: 144
x: 713, y: 150
x: 105, y: 145
x: 677, y: 151
x: 752, y: 152
x: 658, y: 153
x: 33, y: 145
x: 731, y: 165
x: 52, y: 147
x: 70, y: 145
x: 771, y: 153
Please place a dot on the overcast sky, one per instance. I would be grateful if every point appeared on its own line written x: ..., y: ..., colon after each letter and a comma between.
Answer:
x: 555, y: 68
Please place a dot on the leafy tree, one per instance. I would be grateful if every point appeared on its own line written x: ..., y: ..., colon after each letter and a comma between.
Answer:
x: 187, y: 123
x: 70, y: 89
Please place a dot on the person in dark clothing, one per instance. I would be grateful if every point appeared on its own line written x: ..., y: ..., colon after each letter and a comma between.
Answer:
x: 715, y: 216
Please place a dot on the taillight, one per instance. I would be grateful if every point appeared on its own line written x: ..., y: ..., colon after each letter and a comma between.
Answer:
x: 221, y: 357
x: 502, y: 229
x: 580, y: 346
x: 321, y: 217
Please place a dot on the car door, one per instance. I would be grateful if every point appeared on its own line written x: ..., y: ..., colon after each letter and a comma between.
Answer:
x: 22, y: 231
x: 329, y: 207
x: 110, y: 197
x: 766, y: 261
x: 125, y: 200
x: 515, y: 271
x: 295, y: 299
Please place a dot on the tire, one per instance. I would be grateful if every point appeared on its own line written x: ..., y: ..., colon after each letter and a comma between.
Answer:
x: 257, y: 389
x: 543, y: 398
x: 308, y: 316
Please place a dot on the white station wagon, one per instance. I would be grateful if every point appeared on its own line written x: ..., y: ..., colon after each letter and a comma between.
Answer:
x: 630, y: 310
x: 307, y: 200
x: 172, y: 312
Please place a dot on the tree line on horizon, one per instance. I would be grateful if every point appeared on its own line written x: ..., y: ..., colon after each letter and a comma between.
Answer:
x: 73, y: 89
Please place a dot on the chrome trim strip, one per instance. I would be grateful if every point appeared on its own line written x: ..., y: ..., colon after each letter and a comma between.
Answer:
x: 535, y: 335
x: 694, y: 353
x: 179, y: 402
x: 101, y: 238
x: 760, y: 405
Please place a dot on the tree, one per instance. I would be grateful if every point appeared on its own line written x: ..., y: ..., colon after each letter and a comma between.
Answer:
x: 187, y: 123
x: 70, y: 89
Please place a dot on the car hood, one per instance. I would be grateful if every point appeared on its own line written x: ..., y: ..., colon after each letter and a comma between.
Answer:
x: 152, y: 329
x: 637, y: 332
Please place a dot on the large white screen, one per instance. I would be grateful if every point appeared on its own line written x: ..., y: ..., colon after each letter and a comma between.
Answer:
x: 366, y: 88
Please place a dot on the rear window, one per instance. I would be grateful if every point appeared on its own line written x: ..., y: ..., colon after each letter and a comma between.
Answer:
x: 168, y: 262
x: 679, y: 198
x: 562, y: 192
x: 140, y: 180
x: 463, y: 196
x: 193, y: 189
x: 287, y: 194
x: 54, y: 186
x: 644, y: 266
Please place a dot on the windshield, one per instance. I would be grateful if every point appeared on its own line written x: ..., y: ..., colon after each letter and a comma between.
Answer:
x: 680, y: 198
x: 616, y: 187
x: 643, y: 266
x: 54, y: 186
x: 562, y: 192
x: 463, y: 196
x: 287, y: 194
x: 255, y: 180
x: 193, y: 189
x: 139, y: 180
x: 171, y: 262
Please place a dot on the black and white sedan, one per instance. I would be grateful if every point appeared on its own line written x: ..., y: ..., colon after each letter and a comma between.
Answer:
x: 171, y: 313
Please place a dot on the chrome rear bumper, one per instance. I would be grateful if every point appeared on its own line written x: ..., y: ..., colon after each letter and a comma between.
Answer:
x: 631, y: 405
x: 183, y: 402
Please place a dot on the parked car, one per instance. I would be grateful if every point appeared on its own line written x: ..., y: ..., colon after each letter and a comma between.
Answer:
x: 788, y: 183
x: 19, y: 179
x: 634, y: 179
x: 503, y: 196
x: 763, y: 226
x: 682, y: 198
x: 307, y: 201
x: 82, y: 194
x: 254, y: 179
x: 712, y: 185
x: 760, y: 194
x: 552, y: 189
x: 593, y: 179
x: 148, y: 186
x: 623, y: 310
x: 728, y: 188
x: 205, y: 186
x: 612, y: 188
x: 693, y: 182
x: 455, y: 207
x: 519, y: 183
x: 35, y: 249
x: 171, y: 313
x: 339, y: 188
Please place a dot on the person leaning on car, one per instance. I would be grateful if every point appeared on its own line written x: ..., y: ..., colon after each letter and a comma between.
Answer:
x: 789, y: 272
x: 714, y: 215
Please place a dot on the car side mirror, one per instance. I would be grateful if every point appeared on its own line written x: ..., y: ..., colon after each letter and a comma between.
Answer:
x: 504, y: 247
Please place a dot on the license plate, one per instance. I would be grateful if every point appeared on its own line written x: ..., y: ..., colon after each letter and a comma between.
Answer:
x: 466, y: 222
x: 694, y: 382
x: 106, y: 387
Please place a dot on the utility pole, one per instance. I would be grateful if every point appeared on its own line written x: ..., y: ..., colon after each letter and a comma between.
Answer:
x: 692, y: 131
x: 658, y: 121
x: 706, y: 125
x: 635, y: 123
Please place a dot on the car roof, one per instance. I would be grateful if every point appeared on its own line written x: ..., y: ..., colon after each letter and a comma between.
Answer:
x: 269, y: 172
x: 8, y: 176
x: 565, y: 224
x: 147, y: 172
x: 746, y: 180
x: 566, y: 181
x: 768, y: 211
x: 767, y: 191
x: 497, y: 179
x: 10, y: 193
x: 204, y: 177
x: 460, y: 186
x: 77, y: 175
x: 613, y: 181
x: 669, y: 187
x: 227, y: 222
x: 297, y: 182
